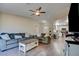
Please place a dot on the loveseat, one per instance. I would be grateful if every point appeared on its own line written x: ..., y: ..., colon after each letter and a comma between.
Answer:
x: 44, y: 39
x: 11, y: 41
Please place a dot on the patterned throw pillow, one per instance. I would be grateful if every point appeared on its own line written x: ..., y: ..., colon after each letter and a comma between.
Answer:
x: 5, y: 37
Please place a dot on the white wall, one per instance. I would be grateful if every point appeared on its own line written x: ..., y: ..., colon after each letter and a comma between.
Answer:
x: 12, y: 23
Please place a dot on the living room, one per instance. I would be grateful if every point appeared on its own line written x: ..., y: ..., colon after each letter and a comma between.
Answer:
x: 20, y: 20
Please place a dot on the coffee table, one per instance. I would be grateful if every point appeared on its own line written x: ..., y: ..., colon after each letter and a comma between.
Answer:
x: 28, y: 44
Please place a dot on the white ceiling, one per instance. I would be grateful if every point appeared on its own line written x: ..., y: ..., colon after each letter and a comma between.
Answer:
x: 53, y: 10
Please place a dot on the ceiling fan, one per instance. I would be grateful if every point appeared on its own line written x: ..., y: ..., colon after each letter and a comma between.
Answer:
x: 37, y: 12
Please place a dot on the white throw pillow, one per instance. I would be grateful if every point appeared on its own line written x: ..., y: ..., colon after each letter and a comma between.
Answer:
x: 5, y: 37
x: 18, y: 36
x: 26, y: 35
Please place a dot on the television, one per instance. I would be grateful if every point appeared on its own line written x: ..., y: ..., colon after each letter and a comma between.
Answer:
x: 73, y: 17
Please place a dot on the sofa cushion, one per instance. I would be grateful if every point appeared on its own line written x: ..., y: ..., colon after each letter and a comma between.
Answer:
x: 5, y: 37
x: 23, y: 35
x: 18, y: 36
x: 12, y: 46
x: 11, y: 41
x: 11, y: 35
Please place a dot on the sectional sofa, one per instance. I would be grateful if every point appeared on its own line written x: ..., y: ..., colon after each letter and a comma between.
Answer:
x: 10, y: 40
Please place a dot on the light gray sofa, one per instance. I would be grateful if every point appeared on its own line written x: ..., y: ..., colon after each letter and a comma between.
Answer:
x: 12, y: 43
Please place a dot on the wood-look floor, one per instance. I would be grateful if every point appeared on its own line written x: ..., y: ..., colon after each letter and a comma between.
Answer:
x: 55, y: 48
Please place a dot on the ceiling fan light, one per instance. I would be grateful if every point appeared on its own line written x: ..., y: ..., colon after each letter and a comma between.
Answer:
x: 37, y: 13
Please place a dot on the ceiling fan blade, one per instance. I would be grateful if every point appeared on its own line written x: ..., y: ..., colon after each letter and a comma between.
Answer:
x: 40, y: 8
x: 42, y: 12
x: 32, y: 10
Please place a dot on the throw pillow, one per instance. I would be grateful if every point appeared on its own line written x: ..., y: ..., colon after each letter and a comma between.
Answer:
x: 26, y: 35
x: 5, y: 37
x: 18, y: 36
